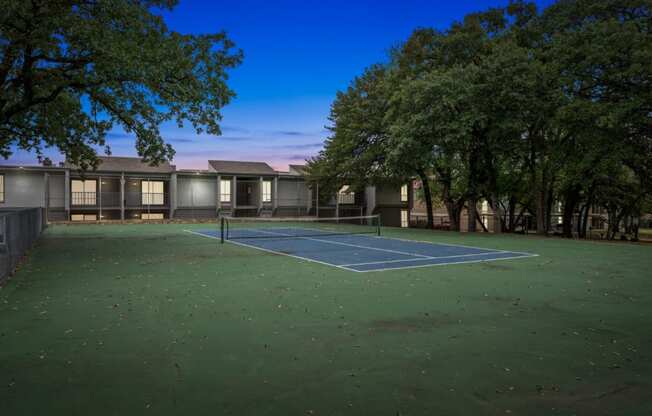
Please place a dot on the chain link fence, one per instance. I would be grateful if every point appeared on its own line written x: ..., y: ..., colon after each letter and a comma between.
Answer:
x: 19, y: 229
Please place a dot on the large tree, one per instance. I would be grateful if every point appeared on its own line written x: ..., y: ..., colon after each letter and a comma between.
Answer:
x: 70, y: 70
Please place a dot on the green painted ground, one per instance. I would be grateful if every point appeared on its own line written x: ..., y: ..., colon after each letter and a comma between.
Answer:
x: 147, y: 319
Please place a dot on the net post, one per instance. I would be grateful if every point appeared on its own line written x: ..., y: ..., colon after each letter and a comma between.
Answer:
x: 222, y: 230
x: 378, y: 226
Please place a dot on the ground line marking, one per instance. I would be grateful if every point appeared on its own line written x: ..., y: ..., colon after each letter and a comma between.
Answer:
x: 345, y: 244
x: 524, y: 256
x: 429, y: 258
x: 344, y: 267
x: 273, y: 251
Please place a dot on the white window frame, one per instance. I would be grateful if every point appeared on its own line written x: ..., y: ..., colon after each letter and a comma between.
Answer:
x: 267, y: 191
x: 150, y: 195
x: 225, y: 190
x: 405, y: 218
x: 404, y: 193
x: 83, y: 217
x: 88, y: 197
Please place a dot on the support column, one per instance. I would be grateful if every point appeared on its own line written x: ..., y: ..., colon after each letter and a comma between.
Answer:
x: 317, y: 199
x: 66, y: 195
x: 234, y: 194
x: 275, y: 194
x: 260, y: 193
x: 122, y: 196
x: 337, y: 204
x: 99, y: 187
x: 46, y: 195
x: 173, y: 195
x: 219, y: 192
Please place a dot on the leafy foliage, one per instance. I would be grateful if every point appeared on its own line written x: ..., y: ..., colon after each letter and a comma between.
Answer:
x: 72, y: 69
x: 522, y: 108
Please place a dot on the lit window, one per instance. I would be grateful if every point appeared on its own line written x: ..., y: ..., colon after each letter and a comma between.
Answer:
x: 560, y: 218
x: 225, y: 191
x: 151, y: 216
x: 2, y: 188
x: 83, y: 192
x: 152, y: 192
x: 267, y: 191
x: 404, y: 193
x: 345, y: 196
x: 405, y: 221
x: 83, y: 217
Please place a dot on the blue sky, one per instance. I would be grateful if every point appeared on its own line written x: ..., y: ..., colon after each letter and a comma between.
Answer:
x: 298, y: 54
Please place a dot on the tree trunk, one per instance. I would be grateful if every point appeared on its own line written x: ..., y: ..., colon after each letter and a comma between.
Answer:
x: 571, y: 199
x: 541, y: 211
x: 498, y: 214
x: 451, y: 206
x: 585, y: 214
x: 512, y: 211
x: 453, y: 215
x: 550, y: 202
x: 471, y: 214
x: 477, y: 216
x: 428, y: 197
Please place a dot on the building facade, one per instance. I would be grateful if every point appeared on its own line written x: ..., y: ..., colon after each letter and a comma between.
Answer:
x: 125, y: 188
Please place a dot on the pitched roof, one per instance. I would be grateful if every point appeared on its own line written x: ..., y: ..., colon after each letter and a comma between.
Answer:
x: 298, y: 169
x: 241, y: 168
x: 128, y: 164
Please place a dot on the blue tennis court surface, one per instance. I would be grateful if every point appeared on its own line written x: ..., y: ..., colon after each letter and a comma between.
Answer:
x: 363, y: 253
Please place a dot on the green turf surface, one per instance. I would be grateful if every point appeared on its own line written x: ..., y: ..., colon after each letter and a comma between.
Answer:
x: 147, y: 319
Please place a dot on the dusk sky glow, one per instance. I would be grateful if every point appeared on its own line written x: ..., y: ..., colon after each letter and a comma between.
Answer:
x: 297, y: 55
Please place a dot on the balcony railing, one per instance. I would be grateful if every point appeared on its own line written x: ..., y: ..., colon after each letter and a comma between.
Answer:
x: 112, y: 199
x: 139, y: 199
x: 83, y: 199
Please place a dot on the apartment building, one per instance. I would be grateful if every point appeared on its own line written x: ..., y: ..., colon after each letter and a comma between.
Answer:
x: 125, y: 188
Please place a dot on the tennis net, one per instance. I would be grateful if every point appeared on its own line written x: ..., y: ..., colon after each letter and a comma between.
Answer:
x: 247, y: 227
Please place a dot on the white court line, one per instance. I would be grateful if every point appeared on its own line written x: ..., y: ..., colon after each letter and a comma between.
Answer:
x: 451, y: 245
x: 446, y: 264
x: 344, y: 244
x: 426, y: 258
x: 344, y: 267
x: 273, y: 251
x: 433, y: 243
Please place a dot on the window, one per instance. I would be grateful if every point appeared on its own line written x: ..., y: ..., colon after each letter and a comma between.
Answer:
x: 83, y: 217
x: 225, y: 190
x: 267, y: 191
x: 83, y: 192
x: 345, y: 196
x: 152, y: 192
x: 2, y: 188
x: 404, y: 193
x: 560, y: 217
x: 405, y: 218
x: 484, y: 213
x: 598, y: 223
x: 152, y: 216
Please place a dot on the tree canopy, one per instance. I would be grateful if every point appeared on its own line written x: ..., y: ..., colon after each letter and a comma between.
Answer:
x: 71, y: 70
x: 529, y: 110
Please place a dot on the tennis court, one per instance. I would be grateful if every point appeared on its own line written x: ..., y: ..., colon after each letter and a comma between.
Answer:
x: 351, y: 243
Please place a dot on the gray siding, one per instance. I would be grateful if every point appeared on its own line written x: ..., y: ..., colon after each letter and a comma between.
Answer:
x: 57, y: 190
x: 370, y: 198
x: 197, y: 213
x: 24, y: 189
x: 292, y: 193
x: 196, y: 192
x: 388, y: 195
